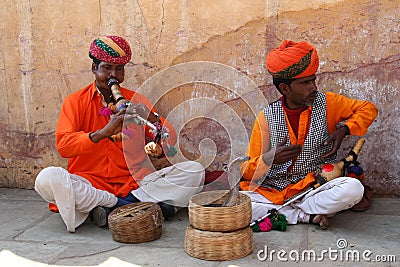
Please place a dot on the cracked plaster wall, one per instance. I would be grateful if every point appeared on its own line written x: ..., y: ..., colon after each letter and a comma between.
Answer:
x: 43, y: 58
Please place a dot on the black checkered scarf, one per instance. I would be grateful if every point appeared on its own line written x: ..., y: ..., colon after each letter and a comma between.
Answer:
x: 310, y: 158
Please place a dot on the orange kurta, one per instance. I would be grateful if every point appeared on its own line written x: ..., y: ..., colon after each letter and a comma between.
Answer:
x: 104, y: 164
x: 359, y: 115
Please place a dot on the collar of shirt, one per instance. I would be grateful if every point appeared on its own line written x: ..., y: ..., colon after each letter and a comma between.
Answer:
x: 97, y: 91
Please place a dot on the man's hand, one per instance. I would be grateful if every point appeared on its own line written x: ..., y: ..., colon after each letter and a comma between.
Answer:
x: 336, y: 137
x: 113, y: 127
x: 153, y: 149
x: 283, y: 153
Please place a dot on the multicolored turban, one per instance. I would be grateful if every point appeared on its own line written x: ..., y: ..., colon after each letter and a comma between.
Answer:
x: 111, y: 49
x: 293, y: 60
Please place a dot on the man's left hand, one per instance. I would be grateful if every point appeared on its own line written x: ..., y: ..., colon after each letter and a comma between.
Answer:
x: 336, y: 137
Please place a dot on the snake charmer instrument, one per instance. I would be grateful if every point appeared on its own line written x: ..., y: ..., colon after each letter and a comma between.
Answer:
x: 160, y: 133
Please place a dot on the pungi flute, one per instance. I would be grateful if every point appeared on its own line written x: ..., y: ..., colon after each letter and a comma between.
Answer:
x: 122, y: 103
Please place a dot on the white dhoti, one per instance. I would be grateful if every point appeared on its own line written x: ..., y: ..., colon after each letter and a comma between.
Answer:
x: 75, y: 197
x: 174, y: 185
x: 336, y: 195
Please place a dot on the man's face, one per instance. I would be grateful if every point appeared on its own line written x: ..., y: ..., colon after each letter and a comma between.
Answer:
x: 106, y: 71
x: 301, y: 92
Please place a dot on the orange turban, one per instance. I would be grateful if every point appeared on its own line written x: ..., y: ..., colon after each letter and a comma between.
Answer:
x: 293, y: 60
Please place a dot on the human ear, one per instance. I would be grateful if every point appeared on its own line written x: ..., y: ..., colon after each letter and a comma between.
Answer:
x: 94, y: 68
x: 283, y: 87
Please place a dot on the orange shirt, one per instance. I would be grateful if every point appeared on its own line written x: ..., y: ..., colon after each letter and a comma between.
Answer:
x: 359, y: 115
x: 104, y: 164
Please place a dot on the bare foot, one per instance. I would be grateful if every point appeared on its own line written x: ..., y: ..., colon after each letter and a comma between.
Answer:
x: 322, y: 221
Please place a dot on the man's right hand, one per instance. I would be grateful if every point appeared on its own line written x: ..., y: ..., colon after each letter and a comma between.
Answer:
x: 114, y: 126
x: 284, y: 153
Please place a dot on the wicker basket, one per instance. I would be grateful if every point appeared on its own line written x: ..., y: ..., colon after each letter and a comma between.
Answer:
x: 220, y: 246
x: 136, y: 223
x: 219, y: 219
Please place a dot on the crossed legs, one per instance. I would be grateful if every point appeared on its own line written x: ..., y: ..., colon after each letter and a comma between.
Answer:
x: 75, y: 197
x: 315, y: 207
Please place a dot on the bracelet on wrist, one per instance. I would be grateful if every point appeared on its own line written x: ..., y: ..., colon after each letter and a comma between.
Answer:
x: 102, y: 136
x: 91, y: 138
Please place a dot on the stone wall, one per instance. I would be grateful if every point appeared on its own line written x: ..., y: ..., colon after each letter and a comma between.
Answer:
x: 44, y: 47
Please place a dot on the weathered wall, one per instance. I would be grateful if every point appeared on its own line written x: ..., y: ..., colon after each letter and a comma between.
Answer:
x: 43, y: 58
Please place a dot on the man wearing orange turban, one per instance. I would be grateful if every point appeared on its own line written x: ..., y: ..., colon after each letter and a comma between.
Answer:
x: 102, y: 173
x: 295, y: 135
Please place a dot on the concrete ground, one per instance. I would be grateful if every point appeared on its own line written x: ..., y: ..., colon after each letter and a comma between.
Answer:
x: 30, y: 235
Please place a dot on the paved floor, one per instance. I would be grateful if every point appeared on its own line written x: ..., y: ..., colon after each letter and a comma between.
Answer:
x: 30, y: 235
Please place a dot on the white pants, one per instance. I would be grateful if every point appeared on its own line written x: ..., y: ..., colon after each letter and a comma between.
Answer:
x: 75, y: 197
x: 339, y: 194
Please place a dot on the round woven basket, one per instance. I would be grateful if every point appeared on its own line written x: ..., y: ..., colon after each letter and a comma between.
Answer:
x: 220, y: 246
x: 136, y: 223
x: 219, y: 219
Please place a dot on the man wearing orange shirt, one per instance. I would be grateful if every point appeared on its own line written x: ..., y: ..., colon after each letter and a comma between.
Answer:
x: 293, y: 136
x: 104, y: 173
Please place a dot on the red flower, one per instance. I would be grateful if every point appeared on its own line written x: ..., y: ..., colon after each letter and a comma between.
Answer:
x: 265, y: 225
x: 105, y: 111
